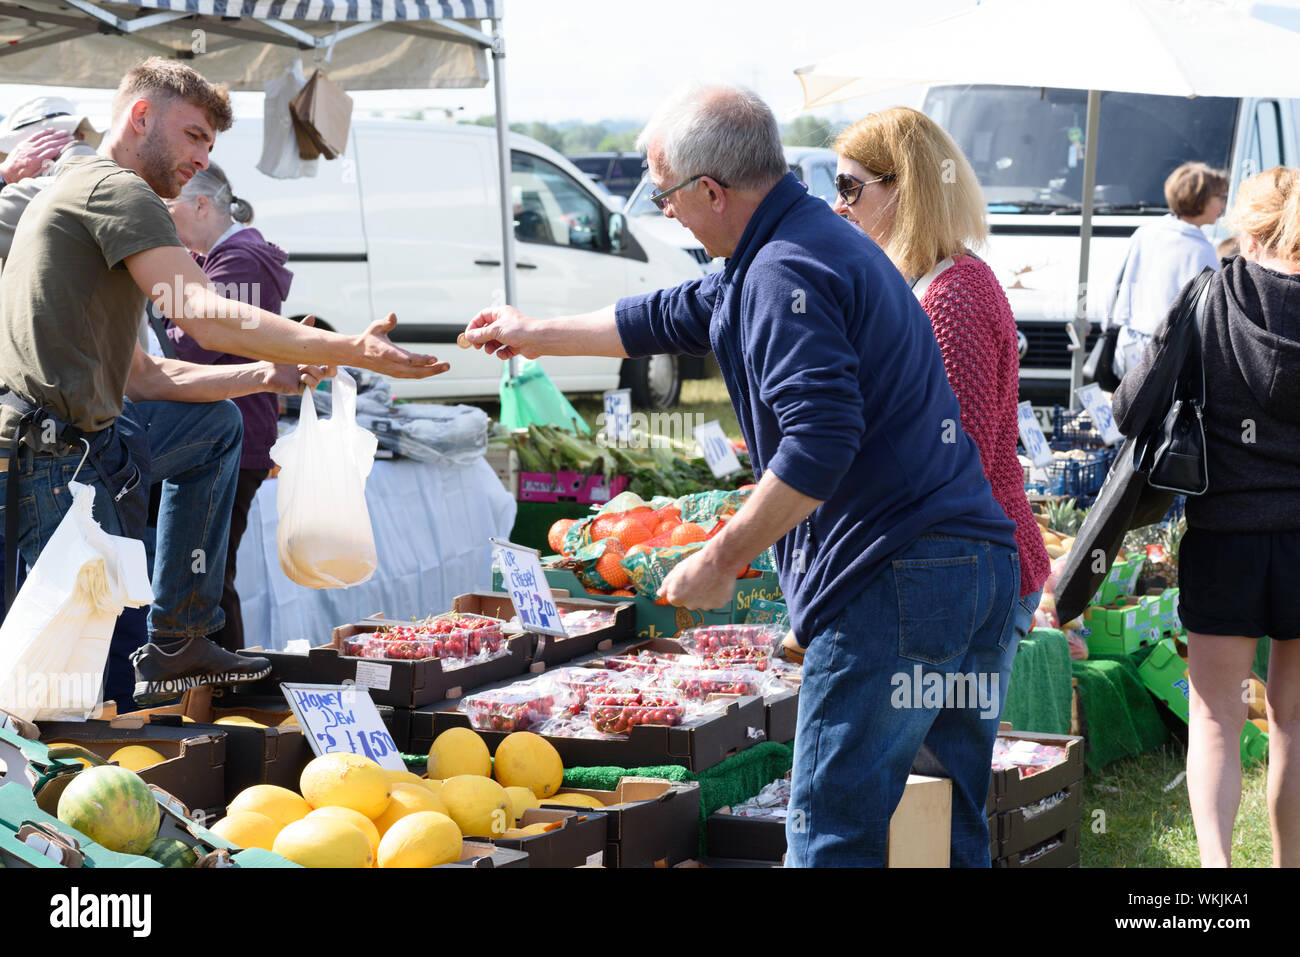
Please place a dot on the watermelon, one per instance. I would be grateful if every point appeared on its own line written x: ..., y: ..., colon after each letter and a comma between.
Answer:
x: 113, y: 807
x: 171, y: 852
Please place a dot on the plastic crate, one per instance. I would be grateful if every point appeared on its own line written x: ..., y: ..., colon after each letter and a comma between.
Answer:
x: 1073, y: 430
x: 1080, y: 479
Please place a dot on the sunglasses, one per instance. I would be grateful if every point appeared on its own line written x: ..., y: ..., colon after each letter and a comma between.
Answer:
x: 848, y: 186
x: 660, y: 199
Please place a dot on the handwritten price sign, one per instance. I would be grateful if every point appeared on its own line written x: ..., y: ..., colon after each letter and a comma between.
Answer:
x: 715, y: 448
x: 342, y: 718
x: 618, y: 415
x: 522, y: 573
x: 1098, y: 407
x: 1031, y: 433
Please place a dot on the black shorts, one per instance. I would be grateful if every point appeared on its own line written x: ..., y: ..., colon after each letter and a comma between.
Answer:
x: 1240, y: 583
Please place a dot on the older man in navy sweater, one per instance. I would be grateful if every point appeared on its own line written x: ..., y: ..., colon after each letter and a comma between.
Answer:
x: 899, y: 567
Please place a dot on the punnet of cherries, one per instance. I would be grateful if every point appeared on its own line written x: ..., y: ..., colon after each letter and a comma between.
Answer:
x: 620, y: 712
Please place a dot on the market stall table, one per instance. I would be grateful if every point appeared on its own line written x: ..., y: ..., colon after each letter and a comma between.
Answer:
x: 431, y: 525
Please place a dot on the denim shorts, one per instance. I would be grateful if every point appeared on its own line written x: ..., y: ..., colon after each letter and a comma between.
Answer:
x: 912, y: 672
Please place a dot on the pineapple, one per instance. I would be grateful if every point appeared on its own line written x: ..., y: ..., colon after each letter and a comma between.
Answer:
x: 1064, y: 517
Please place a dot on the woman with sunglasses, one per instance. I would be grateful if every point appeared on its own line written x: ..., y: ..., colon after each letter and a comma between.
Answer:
x: 905, y: 182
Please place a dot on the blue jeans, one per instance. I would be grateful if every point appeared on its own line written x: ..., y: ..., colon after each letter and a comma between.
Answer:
x: 194, y: 449
x: 1023, y: 623
x: 913, y: 670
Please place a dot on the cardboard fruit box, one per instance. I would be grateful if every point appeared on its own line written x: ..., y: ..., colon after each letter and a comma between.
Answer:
x: 548, y: 649
x: 697, y: 744
x: 402, y: 684
x: 665, y: 621
x: 484, y: 855
x: 580, y: 839
x: 1122, y: 630
x: 1064, y: 854
x: 919, y: 831
x: 267, y: 755
x: 1013, y: 832
x: 648, y: 821
x: 194, y: 769
x: 1008, y: 790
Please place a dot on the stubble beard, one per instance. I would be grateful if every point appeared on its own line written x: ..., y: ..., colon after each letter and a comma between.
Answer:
x: 158, y: 168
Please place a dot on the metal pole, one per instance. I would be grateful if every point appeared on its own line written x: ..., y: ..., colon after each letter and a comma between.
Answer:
x: 503, y: 159
x: 1081, y: 324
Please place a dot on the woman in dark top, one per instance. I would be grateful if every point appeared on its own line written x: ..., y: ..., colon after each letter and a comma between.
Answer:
x: 1237, y: 563
x: 211, y: 222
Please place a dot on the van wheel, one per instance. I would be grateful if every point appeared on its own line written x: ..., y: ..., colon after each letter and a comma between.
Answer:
x: 655, y: 381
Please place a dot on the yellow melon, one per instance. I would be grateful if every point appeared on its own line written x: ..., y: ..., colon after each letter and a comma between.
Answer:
x: 528, y: 760
x: 247, y: 829
x: 239, y: 721
x: 408, y: 799
x: 324, y: 842
x: 340, y: 779
x: 136, y: 757
x: 574, y: 800
x: 289, y: 722
x: 479, y: 806
x: 281, y: 805
x: 433, y: 784
x: 355, y: 818
x: 459, y: 751
x: 403, y: 777
x: 529, y: 831
x: 422, y: 839
x: 521, y: 799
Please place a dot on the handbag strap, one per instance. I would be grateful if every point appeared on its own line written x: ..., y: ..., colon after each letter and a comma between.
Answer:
x: 1202, y: 295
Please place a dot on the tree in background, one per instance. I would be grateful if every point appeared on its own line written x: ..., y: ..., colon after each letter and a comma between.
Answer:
x: 570, y: 138
x: 810, y: 130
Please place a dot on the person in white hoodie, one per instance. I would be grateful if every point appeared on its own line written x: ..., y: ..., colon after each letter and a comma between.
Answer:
x: 1164, y: 256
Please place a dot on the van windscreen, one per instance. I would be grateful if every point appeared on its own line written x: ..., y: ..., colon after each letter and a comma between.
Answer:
x: 1026, y: 144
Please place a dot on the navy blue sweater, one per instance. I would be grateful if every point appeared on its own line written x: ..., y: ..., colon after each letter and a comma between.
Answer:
x: 839, y: 388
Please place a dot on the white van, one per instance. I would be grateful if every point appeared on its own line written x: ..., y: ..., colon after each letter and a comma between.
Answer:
x: 1026, y: 144
x: 407, y: 221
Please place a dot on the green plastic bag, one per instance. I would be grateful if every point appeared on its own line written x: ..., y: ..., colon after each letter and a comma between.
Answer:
x: 531, y: 398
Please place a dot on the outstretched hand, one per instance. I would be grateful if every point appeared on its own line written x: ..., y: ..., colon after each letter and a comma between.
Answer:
x: 380, y: 355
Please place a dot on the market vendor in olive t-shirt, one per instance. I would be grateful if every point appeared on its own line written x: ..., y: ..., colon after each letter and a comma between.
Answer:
x: 86, y: 253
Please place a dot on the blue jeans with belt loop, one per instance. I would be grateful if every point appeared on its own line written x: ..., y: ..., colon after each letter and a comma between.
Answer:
x: 914, y: 669
x: 194, y: 449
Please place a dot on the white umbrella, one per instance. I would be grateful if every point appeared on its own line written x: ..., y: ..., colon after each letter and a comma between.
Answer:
x: 1168, y: 47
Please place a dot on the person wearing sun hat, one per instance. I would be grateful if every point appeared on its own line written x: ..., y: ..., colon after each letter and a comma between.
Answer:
x: 35, y: 133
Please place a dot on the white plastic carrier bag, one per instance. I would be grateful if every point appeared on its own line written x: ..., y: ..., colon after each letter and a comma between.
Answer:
x: 54, y: 641
x: 324, y: 535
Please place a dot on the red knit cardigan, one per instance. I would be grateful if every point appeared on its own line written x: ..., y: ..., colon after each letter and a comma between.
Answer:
x: 977, y: 334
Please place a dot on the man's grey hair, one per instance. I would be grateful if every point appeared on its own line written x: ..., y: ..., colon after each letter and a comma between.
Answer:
x: 726, y: 132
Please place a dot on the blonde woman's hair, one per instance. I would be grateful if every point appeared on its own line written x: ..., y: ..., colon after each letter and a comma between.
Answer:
x: 940, y: 209
x: 1267, y: 209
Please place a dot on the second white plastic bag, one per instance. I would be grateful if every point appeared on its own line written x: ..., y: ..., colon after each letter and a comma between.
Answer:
x: 324, y: 535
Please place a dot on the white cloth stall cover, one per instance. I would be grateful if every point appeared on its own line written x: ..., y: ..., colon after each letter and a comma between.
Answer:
x: 431, y: 523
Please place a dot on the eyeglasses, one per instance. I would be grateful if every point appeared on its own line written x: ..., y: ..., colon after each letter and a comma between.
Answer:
x: 847, y: 185
x: 659, y: 199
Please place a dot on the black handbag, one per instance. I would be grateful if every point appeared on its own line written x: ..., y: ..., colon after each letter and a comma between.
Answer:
x: 1099, y: 367
x: 1173, y: 454
x: 1100, y: 364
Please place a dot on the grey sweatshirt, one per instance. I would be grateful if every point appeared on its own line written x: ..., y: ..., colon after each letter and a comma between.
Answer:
x: 1252, y: 408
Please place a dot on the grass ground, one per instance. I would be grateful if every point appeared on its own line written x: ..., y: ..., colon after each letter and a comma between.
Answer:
x: 1130, y: 820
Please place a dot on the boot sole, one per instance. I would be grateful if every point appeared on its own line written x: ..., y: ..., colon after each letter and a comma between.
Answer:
x: 151, y: 692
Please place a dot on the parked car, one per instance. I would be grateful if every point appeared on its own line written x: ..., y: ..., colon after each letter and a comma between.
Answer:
x: 407, y: 221
x: 815, y: 168
x: 1026, y: 145
x: 617, y: 173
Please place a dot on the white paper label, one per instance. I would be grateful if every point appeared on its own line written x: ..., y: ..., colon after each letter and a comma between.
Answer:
x: 342, y: 718
x: 521, y: 572
x: 618, y: 415
x: 597, y: 859
x: 715, y: 448
x: 1098, y: 407
x: 1031, y: 434
x: 374, y: 674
